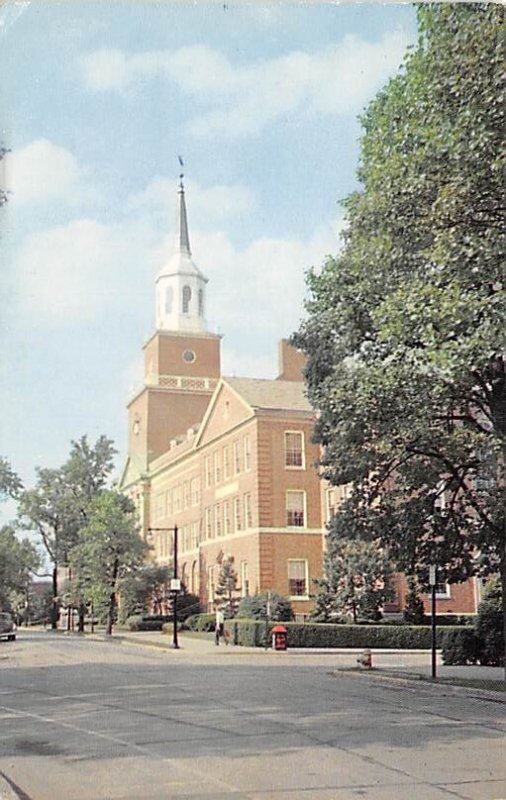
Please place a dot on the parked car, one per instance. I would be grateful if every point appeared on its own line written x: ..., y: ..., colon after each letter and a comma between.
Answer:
x: 7, y: 627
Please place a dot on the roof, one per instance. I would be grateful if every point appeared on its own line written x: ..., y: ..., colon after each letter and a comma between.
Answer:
x: 271, y: 394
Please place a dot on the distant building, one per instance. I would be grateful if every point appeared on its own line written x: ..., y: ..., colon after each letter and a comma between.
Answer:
x: 228, y: 460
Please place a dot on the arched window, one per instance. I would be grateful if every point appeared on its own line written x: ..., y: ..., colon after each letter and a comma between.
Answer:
x: 201, y: 302
x: 187, y: 296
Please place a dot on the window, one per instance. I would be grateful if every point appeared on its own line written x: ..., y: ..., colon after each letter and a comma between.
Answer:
x: 332, y: 500
x: 248, y: 522
x: 237, y: 458
x: 226, y: 463
x: 294, y: 449
x: 247, y: 453
x: 209, y: 523
x: 443, y: 590
x: 227, y: 527
x: 201, y: 302
x: 295, y: 511
x: 244, y: 579
x: 207, y: 468
x: 195, y: 491
x: 160, y: 506
x: 187, y: 296
x: 217, y: 520
x: 194, y: 535
x: 177, y: 499
x: 170, y: 504
x: 186, y: 494
x: 297, y: 577
x: 237, y: 513
x: 217, y: 467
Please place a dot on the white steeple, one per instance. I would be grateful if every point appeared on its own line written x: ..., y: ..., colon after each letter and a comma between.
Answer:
x: 180, y: 285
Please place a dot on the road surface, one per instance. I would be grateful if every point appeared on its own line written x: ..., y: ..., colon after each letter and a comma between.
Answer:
x: 96, y: 720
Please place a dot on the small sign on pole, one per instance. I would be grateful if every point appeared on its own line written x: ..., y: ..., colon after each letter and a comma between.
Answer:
x: 175, y: 585
x: 432, y: 575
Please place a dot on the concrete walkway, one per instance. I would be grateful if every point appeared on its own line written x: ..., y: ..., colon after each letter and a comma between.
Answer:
x: 413, y: 664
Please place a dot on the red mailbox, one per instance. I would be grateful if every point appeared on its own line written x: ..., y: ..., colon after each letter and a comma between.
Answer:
x: 279, y: 637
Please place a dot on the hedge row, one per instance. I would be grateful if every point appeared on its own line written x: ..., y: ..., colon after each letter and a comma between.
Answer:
x: 253, y: 633
x: 139, y: 623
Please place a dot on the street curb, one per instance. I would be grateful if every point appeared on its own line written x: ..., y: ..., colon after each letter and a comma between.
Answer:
x: 413, y: 678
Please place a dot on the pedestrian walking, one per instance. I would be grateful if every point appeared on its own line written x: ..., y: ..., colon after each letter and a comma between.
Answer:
x: 219, y: 626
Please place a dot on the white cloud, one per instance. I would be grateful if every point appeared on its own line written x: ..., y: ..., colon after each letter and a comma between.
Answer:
x: 72, y: 273
x: 42, y: 172
x: 240, y: 99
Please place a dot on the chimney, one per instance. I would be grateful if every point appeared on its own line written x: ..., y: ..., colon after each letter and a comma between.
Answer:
x: 291, y: 362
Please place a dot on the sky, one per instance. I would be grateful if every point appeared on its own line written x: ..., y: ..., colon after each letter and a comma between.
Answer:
x: 97, y: 101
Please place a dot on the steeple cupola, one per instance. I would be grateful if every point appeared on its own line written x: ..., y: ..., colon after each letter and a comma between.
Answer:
x: 180, y: 285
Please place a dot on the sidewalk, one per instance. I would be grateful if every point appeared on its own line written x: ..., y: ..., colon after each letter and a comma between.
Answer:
x: 407, y: 664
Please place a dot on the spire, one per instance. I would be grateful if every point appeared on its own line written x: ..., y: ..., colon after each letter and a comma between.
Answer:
x: 180, y: 285
x: 183, y: 239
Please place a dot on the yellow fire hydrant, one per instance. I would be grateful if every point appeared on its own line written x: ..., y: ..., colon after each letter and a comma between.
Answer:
x: 365, y: 659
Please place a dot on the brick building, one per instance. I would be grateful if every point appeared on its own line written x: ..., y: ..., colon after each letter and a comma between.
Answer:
x: 230, y: 461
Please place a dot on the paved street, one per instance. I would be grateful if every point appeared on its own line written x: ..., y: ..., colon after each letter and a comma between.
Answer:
x: 95, y: 720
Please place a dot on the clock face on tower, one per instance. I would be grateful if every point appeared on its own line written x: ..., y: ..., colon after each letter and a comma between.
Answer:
x: 189, y: 356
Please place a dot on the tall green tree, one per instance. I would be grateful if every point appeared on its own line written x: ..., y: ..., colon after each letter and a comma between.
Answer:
x: 56, y: 508
x: 18, y: 560
x: 10, y: 483
x: 108, y: 549
x: 226, y: 587
x: 405, y: 329
x: 357, y: 580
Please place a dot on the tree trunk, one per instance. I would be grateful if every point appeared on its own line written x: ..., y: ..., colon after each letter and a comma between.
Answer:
x: 55, y: 605
x: 112, y: 599
x: 81, y: 611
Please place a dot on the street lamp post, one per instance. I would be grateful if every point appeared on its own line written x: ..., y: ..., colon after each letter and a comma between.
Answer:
x: 175, y: 583
x: 432, y: 583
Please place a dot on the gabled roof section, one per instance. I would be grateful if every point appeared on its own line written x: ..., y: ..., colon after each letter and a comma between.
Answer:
x: 226, y: 409
x: 238, y: 399
x: 276, y: 395
x: 132, y: 472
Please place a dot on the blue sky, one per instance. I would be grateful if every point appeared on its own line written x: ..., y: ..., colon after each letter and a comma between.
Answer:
x: 97, y: 101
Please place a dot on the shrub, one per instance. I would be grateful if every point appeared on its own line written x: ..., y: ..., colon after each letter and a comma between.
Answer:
x: 255, y: 607
x: 188, y: 605
x: 201, y: 622
x: 489, y: 625
x: 140, y: 623
x: 460, y: 646
x: 403, y: 637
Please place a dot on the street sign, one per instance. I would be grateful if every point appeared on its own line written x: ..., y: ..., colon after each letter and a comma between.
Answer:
x: 432, y: 575
x: 175, y: 585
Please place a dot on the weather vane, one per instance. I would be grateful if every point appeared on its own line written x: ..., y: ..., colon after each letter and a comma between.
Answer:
x: 181, y: 176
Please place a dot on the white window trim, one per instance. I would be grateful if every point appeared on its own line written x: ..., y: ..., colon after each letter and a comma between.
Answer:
x: 247, y: 453
x: 446, y: 595
x: 294, y: 466
x: 295, y: 597
x: 304, y: 504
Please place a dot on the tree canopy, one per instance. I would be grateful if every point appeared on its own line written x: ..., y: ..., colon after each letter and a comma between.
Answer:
x: 56, y: 508
x: 18, y: 559
x: 405, y: 326
x: 109, y: 547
